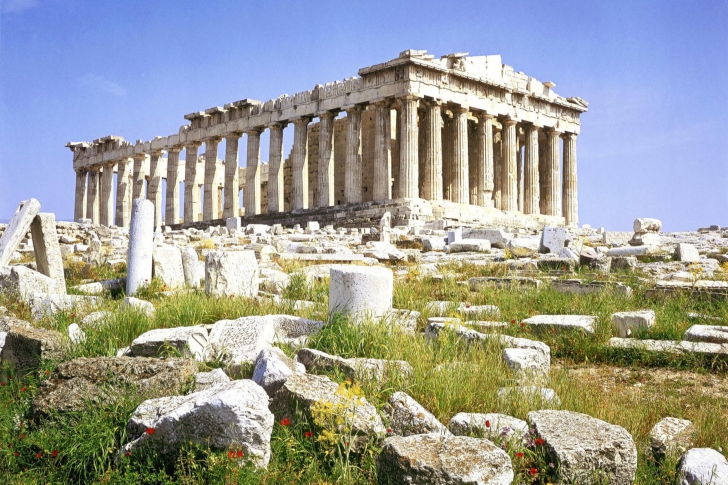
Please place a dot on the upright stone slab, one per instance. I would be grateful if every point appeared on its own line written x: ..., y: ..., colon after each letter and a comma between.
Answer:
x: 167, y: 265
x: 190, y: 267
x: 141, y: 245
x: 47, y: 249
x: 231, y: 273
x: 360, y: 291
x: 17, y: 229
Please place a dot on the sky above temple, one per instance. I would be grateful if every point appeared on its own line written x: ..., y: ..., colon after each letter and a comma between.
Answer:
x: 653, y: 144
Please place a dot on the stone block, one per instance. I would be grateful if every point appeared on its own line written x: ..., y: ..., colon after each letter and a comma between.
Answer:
x: 47, y: 249
x: 206, y: 380
x: 272, y: 369
x: 135, y: 304
x: 454, y: 235
x: 27, y: 283
x: 627, y: 323
x: 498, y: 237
x: 554, y: 239
x: 167, y: 266
x: 433, y: 244
x: 715, y: 334
x: 470, y: 245
x: 361, y: 292
x: 26, y: 347
x: 17, y: 229
x: 670, y: 436
x: 234, y: 223
x: 564, y: 322
x: 51, y: 304
x: 188, y: 341
x: 522, y: 247
x: 241, y: 341
x: 487, y: 425
x: 191, y: 267
x: 231, y: 273
x: 687, y: 253
x: 408, y: 417
x: 642, y: 225
x: 703, y: 466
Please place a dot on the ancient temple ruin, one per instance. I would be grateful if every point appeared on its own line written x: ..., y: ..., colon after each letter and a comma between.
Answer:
x: 460, y: 138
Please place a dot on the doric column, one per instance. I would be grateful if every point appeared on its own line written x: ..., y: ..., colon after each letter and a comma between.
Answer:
x: 232, y: 182
x: 485, y: 159
x: 326, y: 194
x: 551, y: 173
x: 275, y: 168
x: 497, y: 170
x: 446, y: 134
x: 519, y: 171
x: 570, y: 204
x: 139, y: 176
x: 460, y: 182
x: 396, y: 155
x: 252, y: 173
x: 531, y: 197
x: 79, y: 211
x: 212, y: 178
x: 192, y: 190
x: 124, y: 191
x: 171, y: 215
x: 408, y: 149
x: 509, y: 182
x: 352, y: 163
x: 154, y: 187
x: 106, y: 211
x: 92, y: 200
x: 382, y: 176
x: 299, y: 189
x: 432, y: 132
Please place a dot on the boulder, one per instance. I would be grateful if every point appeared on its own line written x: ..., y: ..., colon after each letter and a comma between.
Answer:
x: 228, y: 416
x: 586, y: 449
x: 433, y: 244
x: 670, y: 436
x: 470, y: 246
x: 49, y: 305
x: 240, y: 341
x: 687, y: 253
x: 26, y: 282
x: 703, y: 466
x: 408, y: 417
x: 25, y: 348
x: 167, y: 266
x: 188, y: 341
x: 231, y: 273
x: 490, y: 425
x: 431, y: 459
x: 627, y: 323
x: 80, y: 382
x: 530, y: 365
x: 205, y: 380
x: 716, y: 334
x: 361, y: 292
x: 522, y: 247
x: 272, y: 368
x: 75, y: 334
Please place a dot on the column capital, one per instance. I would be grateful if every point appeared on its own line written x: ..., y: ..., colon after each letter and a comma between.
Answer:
x: 233, y: 134
x: 300, y: 120
x: 433, y: 101
x: 553, y: 132
x: 80, y: 170
x: 459, y: 108
x: 383, y: 102
x: 193, y: 144
x: 140, y: 156
x: 213, y: 139
x: 278, y: 124
x: 93, y: 168
x: 568, y: 134
x: 174, y: 149
x: 328, y: 114
x: 157, y: 152
x: 483, y: 115
x: 354, y: 108
x: 256, y: 130
x: 508, y: 121
x: 408, y: 97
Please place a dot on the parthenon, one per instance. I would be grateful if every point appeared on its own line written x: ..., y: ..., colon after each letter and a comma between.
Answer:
x: 465, y: 136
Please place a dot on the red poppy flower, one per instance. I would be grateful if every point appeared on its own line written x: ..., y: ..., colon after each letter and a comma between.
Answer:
x: 308, y: 434
x: 347, y: 443
x: 2, y: 384
x: 538, y: 441
x: 240, y: 453
x: 54, y: 453
x: 389, y: 430
x: 231, y: 455
x: 16, y: 453
x: 22, y: 436
x: 487, y: 423
x: 23, y: 389
x: 513, y: 322
x: 519, y: 455
x: 150, y: 431
x: 48, y: 372
x: 128, y: 453
x: 533, y: 472
x: 523, y: 325
x: 285, y: 422
x: 39, y: 455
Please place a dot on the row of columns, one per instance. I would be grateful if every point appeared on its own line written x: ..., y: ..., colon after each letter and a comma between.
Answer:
x: 491, y: 176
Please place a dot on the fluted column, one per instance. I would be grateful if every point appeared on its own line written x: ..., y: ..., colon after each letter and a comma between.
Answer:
x: 154, y: 188
x: 212, y: 178
x: 79, y: 210
x: 299, y: 189
x: 509, y: 182
x: 92, y: 199
x: 460, y: 182
x: 326, y: 193
x: 352, y: 163
x: 447, y: 170
x: 519, y: 171
x: 139, y: 176
x: 531, y: 204
x: 231, y: 204
x: 275, y: 169
x: 382, y: 176
x: 497, y: 170
x: 408, y: 149
x: 553, y: 179
x: 432, y: 132
x: 570, y: 204
x: 171, y: 213
x: 106, y: 211
x: 124, y: 191
x: 485, y: 160
x: 192, y: 190
x: 252, y: 173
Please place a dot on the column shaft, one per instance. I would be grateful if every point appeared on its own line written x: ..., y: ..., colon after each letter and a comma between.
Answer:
x: 509, y: 182
x: 154, y: 187
x: 408, y: 148
x: 531, y: 204
x: 485, y: 160
x: 570, y: 204
x: 124, y: 191
x: 460, y: 182
x: 446, y: 135
x: 299, y: 189
x: 352, y: 167
x: 519, y: 171
x: 171, y: 215
x: 232, y: 182
x: 212, y: 178
x: 79, y: 211
x: 92, y: 200
x: 252, y: 173
x: 432, y: 178
x: 107, y: 195
x: 192, y: 190
x: 497, y: 170
x: 553, y: 179
x: 275, y: 169
x: 326, y: 195
x: 139, y: 176
x: 381, y: 180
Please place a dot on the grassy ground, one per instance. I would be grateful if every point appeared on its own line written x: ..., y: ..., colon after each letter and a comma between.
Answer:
x: 631, y: 389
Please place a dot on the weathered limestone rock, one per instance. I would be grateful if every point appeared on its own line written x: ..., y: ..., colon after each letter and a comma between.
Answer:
x: 231, y: 273
x: 687, y: 253
x: 361, y: 292
x: 26, y: 282
x: 671, y: 436
x: 487, y: 425
x: 430, y: 459
x: 577, y: 287
x: 47, y: 250
x: 586, y: 449
x: 167, y: 266
x: 627, y: 323
x: 52, y: 304
x: 188, y: 341
x: 141, y: 245
x: 470, y: 245
x: 715, y: 334
x: 408, y: 417
x: 272, y: 368
x: 227, y: 416
x: 554, y: 239
x: 190, y: 267
x: 478, y: 282
x: 240, y: 341
x: 434, y: 244
x: 17, y: 229
x: 703, y: 466
x: 643, y: 225
x: 138, y: 305
x: 522, y: 247
x: 75, y: 334
x: 354, y: 368
x: 26, y: 347
x: 302, y: 391
x: 498, y: 238
x: 206, y: 380
x: 531, y: 366
x: 564, y: 322
x: 80, y: 382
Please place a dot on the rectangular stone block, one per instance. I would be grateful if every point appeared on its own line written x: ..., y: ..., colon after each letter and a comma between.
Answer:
x: 17, y: 229
x: 47, y: 249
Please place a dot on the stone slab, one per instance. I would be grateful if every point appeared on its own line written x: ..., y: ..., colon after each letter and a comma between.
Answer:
x: 47, y: 249
x: 17, y: 229
x: 567, y: 322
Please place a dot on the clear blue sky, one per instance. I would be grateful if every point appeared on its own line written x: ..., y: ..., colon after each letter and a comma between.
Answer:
x: 653, y: 144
